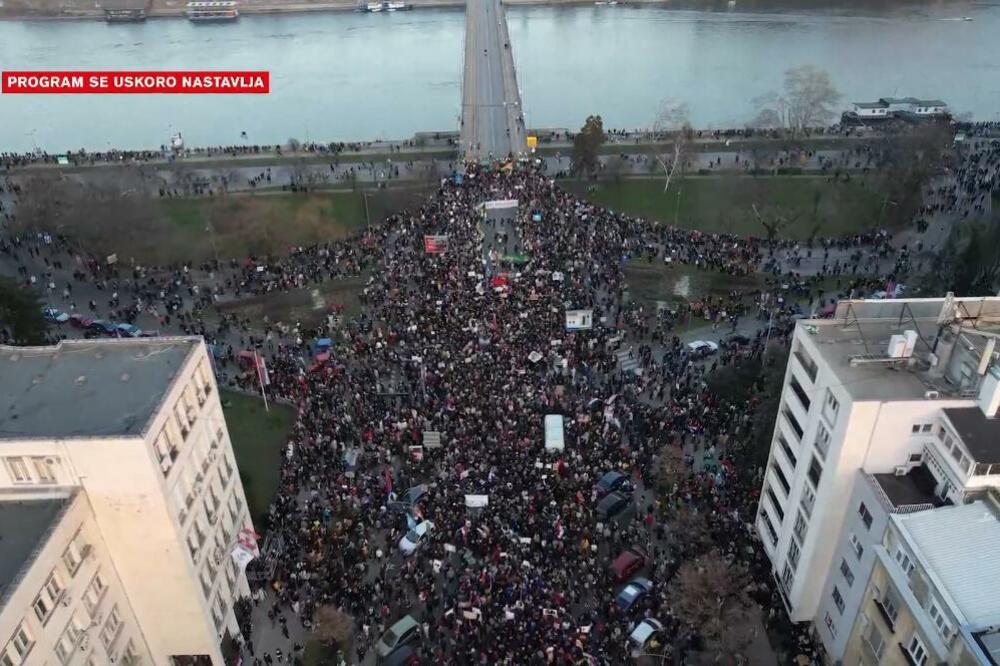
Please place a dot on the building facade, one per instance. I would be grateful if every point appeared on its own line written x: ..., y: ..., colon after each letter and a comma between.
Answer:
x: 121, y: 448
x: 888, y: 408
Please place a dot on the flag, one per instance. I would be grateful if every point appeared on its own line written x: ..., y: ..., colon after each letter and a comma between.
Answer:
x: 265, y: 378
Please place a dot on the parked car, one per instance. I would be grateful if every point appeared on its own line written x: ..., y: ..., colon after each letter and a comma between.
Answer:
x: 612, y: 505
x: 643, y: 637
x: 632, y: 592
x: 404, y: 655
x: 612, y: 482
x: 408, y: 500
x: 628, y: 562
x: 79, y: 321
x: 737, y: 339
x: 416, y: 537
x: 129, y: 330
x: 102, y: 326
x: 55, y: 316
x: 403, y: 632
x: 702, y: 348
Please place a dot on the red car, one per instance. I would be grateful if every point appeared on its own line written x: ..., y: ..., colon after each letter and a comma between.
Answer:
x: 628, y: 563
x: 79, y: 321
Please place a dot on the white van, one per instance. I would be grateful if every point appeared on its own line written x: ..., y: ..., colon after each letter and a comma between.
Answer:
x: 554, y: 435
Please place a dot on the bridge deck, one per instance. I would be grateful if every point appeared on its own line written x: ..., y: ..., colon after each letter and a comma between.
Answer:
x: 492, y: 121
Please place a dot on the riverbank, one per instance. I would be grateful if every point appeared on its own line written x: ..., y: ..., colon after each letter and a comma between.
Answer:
x: 48, y: 10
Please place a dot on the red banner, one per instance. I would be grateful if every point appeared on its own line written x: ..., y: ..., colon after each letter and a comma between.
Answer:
x: 136, y: 83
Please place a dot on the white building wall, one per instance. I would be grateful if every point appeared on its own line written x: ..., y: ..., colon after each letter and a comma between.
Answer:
x: 98, y: 642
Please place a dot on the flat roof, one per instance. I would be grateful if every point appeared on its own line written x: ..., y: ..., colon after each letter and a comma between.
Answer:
x: 870, y: 105
x: 957, y: 546
x: 86, y: 388
x: 24, y: 526
x: 914, y: 488
x: 979, y: 433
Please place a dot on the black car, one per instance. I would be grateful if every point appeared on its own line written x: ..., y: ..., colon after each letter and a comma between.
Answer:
x: 612, y: 504
x: 737, y: 339
x: 613, y: 482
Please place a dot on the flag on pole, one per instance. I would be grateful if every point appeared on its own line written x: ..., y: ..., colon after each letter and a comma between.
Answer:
x: 265, y: 378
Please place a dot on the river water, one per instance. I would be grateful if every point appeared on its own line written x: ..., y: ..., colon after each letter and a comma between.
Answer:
x: 343, y: 76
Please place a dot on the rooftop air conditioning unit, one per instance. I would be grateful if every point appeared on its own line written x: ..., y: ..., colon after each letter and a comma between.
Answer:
x: 901, y: 470
x: 932, y: 395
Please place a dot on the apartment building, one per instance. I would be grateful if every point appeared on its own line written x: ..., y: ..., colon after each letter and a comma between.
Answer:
x: 120, y: 494
x: 888, y: 408
x: 933, y: 596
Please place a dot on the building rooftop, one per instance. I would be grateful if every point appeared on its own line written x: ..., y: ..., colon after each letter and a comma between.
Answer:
x: 86, y: 388
x: 24, y: 525
x: 957, y: 547
x: 913, y: 489
x: 930, y: 102
x: 980, y: 434
x: 870, y: 105
x: 855, y: 343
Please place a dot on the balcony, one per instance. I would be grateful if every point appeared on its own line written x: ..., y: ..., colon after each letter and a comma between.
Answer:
x: 890, y: 621
x: 800, y: 393
x: 806, y: 363
x: 793, y: 422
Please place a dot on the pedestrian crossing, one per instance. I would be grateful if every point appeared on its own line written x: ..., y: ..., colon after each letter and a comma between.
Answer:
x: 628, y: 364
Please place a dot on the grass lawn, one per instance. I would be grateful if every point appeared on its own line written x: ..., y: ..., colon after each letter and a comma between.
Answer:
x: 259, y: 440
x: 724, y: 203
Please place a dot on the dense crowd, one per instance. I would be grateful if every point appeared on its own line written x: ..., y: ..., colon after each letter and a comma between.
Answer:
x: 444, y: 346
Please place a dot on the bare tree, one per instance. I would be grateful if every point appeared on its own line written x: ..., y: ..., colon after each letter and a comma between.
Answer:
x: 710, y: 593
x: 774, y: 221
x: 671, y: 123
x: 807, y: 100
x: 333, y: 627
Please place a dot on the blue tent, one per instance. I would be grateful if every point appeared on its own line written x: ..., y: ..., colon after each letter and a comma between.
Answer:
x: 324, y: 343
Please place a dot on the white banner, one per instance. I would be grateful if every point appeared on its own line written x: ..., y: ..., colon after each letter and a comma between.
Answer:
x: 579, y: 320
x: 500, y: 204
x: 242, y: 556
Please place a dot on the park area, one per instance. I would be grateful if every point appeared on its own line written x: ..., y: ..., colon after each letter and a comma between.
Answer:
x: 259, y: 438
x: 813, y: 206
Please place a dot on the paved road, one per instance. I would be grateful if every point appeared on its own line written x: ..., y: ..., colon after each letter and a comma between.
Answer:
x: 492, y: 121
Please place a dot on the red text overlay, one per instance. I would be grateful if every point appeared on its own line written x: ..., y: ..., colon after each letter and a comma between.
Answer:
x: 135, y: 83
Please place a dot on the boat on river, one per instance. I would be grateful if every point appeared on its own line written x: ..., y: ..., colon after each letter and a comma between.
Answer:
x: 212, y: 11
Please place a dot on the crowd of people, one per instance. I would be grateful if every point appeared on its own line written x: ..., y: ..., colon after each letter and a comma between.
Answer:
x: 453, y: 343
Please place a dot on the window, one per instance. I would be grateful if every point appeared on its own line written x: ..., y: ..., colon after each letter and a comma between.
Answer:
x: 856, y: 546
x: 786, y: 578
x: 822, y: 441
x: 800, y: 527
x: 793, y: 422
x: 776, y: 505
x: 838, y: 600
x: 875, y: 641
x: 781, y: 477
x: 19, y: 646
x: 918, y: 653
x: 74, y: 553
x: 808, y: 500
x: 815, y: 472
x: 45, y: 468
x: 846, y: 572
x: 800, y: 393
x: 831, y: 408
x: 70, y: 637
x: 866, y: 517
x: 111, y: 627
x: 904, y: 561
x: 94, y: 593
x: 940, y: 621
x: 889, y: 604
x: 129, y: 655
x: 18, y: 470
x: 921, y: 428
x: 46, y: 600
x: 793, y: 554
x: 830, y: 625
x: 770, y: 528
x: 788, y: 450
x: 916, y: 458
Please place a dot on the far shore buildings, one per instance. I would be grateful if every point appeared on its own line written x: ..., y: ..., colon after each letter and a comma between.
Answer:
x: 124, y: 529
x: 880, y: 509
